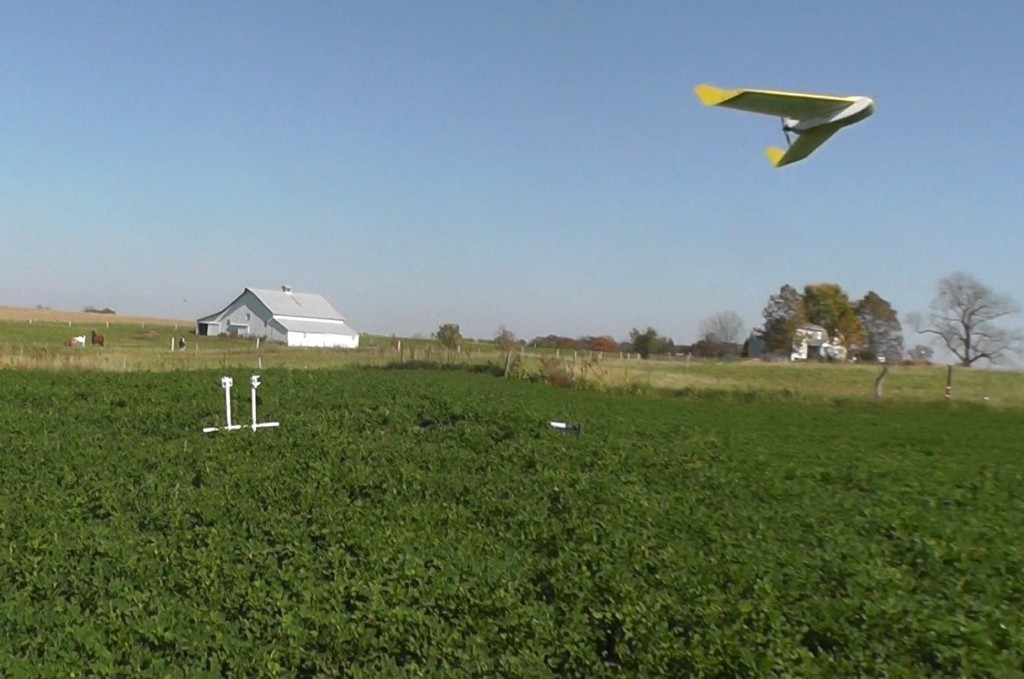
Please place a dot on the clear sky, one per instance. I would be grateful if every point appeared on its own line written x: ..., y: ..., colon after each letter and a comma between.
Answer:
x: 543, y: 166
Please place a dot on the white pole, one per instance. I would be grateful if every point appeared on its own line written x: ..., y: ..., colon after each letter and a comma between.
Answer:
x: 172, y: 345
x: 226, y: 382
x: 255, y: 381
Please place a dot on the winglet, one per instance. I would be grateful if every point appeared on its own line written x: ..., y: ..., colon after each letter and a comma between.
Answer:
x: 775, y: 155
x: 711, y: 96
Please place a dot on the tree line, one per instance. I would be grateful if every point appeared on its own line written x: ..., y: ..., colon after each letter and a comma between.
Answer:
x: 965, y: 319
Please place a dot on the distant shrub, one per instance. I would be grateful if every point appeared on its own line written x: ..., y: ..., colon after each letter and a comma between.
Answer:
x: 553, y: 372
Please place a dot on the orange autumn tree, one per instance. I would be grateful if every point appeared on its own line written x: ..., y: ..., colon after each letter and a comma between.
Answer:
x: 828, y: 305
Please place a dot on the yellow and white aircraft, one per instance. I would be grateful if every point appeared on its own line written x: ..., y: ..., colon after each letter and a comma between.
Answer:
x: 812, y: 117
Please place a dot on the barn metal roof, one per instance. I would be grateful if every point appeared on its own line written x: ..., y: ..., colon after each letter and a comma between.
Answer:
x: 297, y: 304
x: 322, y: 327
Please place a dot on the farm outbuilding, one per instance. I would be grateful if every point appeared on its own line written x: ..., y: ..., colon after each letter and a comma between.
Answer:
x: 300, y: 319
x: 811, y: 341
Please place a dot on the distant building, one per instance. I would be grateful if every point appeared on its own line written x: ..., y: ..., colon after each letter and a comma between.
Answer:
x: 755, y: 347
x: 812, y: 342
x: 300, y: 319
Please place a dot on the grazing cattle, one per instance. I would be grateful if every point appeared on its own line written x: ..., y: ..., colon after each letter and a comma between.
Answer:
x: 78, y: 341
x: 181, y: 343
x: 97, y: 340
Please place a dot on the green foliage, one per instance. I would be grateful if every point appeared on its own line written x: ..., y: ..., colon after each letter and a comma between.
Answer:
x: 881, y: 326
x: 782, y: 315
x: 449, y: 336
x: 828, y: 305
x: 921, y: 352
x: 649, y: 342
x: 431, y: 523
x: 870, y: 324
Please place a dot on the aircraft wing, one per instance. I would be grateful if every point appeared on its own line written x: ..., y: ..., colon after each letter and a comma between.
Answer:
x: 803, y: 146
x: 772, y: 102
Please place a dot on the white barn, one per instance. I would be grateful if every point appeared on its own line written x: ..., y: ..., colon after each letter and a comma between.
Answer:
x: 300, y: 319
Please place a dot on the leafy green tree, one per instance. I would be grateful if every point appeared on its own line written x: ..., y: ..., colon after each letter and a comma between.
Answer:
x: 828, y: 305
x: 648, y: 342
x: 782, y: 315
x: 884, y: 334
x: 921, y: 352
x: 449, y: 336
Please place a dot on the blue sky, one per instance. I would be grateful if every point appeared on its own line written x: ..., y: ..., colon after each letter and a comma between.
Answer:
x: 543, y: 166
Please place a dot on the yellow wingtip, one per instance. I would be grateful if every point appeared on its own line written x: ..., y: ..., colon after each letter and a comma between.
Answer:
x: 710, y: 95
x: 775, y: 155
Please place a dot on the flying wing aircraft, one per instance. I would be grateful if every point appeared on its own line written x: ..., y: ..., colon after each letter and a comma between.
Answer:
x: 812, y: 117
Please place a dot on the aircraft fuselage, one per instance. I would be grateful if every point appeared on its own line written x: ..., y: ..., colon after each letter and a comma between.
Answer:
x: 854, y: 113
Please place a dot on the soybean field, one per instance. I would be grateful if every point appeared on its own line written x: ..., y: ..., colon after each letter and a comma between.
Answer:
x: 432, y: 523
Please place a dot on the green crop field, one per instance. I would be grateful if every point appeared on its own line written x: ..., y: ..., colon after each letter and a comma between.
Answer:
x: 431, y: 523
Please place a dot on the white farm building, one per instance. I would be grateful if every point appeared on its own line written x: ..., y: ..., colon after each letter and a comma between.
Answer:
x: 300, y: 319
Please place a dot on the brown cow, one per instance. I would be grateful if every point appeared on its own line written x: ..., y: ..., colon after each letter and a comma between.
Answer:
x: 97, y: 340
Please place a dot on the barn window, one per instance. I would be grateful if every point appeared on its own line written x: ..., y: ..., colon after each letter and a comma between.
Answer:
x: 248, y: 316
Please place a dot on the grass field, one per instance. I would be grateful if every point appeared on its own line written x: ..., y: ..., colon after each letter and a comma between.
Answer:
x: 430, y: 523
x: 31, y: 339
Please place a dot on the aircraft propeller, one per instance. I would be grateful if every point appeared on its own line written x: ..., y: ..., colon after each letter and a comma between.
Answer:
x: 785, y: 133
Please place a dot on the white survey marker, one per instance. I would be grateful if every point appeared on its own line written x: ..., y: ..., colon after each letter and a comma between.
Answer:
x: 567, y: 427
x: 226, y: 383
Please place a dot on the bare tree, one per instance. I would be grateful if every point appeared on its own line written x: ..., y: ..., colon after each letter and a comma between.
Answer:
x: 725, y: 327
x: 506, y: 342
x: 963, y: 319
